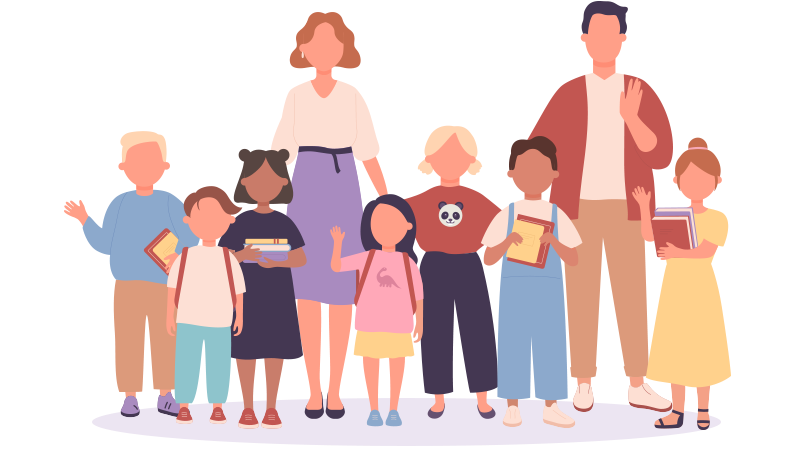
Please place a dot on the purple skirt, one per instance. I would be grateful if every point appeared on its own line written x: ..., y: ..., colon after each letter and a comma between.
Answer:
x: 324, y: 198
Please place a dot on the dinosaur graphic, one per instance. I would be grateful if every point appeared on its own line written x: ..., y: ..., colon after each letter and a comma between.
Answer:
x: 386, y: 281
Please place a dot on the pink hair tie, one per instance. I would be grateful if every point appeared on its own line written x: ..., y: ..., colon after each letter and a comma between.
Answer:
x: 696, y: 148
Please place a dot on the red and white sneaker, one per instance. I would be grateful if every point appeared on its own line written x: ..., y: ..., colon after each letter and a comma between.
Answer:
x: 248, y: 419
x: 271, y: 419
x: 184, y: 417
x: 217, y: 416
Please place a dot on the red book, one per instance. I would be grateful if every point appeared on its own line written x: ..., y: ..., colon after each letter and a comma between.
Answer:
x: 673, y: 229
x: 162, y: 246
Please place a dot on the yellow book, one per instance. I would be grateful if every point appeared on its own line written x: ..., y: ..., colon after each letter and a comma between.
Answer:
x: 530, y: 252
x: 265, y: 241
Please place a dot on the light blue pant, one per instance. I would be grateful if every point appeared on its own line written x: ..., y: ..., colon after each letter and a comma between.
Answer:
x: 188, y: 351
x: 532, y: 323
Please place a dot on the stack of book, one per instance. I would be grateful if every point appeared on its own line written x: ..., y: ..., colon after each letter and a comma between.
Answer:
x: 676, y: 226
x: 272, y: 249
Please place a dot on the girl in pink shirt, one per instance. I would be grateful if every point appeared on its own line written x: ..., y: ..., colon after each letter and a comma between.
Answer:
x: 388, y: 294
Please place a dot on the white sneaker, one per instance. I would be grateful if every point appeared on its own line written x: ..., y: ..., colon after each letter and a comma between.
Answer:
x: 645, y: 397
x: 553, y: 416
x: 584, y: 398
x: 512, y: 417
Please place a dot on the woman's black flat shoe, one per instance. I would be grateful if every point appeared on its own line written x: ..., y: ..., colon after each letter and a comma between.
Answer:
x: 435, y: 415
x: 703, y: 421
x: 333, y: 413
x: 677, y: 425
x: 314, y: 413
x: 486, y: 415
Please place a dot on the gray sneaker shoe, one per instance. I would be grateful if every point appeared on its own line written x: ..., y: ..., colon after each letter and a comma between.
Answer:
x: 393, y: 420
x: 375, y: 419
x: 131, y: 407
x: 167, y: 405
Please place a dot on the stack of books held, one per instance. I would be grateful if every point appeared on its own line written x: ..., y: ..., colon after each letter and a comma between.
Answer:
x: 676, y: 226
x: 272, y: 249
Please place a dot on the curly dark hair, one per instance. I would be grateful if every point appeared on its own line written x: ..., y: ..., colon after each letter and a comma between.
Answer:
x: 350, y: 58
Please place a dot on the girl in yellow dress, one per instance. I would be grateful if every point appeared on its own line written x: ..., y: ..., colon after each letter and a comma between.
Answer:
x: 689, y: 345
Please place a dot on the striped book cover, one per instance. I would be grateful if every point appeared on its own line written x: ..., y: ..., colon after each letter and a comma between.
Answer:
x: 265, y: 241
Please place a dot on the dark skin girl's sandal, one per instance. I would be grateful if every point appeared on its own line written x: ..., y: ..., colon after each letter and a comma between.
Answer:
x: 703, y: 421
x: 679, y: 424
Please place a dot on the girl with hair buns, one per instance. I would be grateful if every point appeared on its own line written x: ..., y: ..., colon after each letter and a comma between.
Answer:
x: 326, y: 125
x: 452, y: 220
x: 689, y: 345
x: 273, y: 331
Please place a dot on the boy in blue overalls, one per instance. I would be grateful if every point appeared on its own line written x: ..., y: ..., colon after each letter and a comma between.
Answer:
x: 532, y: 317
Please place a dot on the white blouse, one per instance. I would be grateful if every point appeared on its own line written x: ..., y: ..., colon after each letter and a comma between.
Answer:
x: 337, y: 121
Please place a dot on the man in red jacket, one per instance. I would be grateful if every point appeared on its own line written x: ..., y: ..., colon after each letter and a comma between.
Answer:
x: 611, y: 131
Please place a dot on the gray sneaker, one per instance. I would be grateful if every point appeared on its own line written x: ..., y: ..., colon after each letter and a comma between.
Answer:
x: 167, y: 405
x: 394, y: 419
x: 131, y: 407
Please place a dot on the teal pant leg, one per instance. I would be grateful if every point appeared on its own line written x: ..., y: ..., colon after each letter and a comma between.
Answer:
x: 514, y: 339
x: 218, y: 363
x: 549, y: 340
x: 188, y: 351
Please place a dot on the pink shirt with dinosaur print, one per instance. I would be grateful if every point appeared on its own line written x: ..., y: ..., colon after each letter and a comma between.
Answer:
x: 385, y: 304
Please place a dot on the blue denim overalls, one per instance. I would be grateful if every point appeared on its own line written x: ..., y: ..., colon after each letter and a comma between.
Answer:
x: 532, y: 321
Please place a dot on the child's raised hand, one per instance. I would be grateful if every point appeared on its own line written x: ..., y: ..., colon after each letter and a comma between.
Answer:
x: 76, y: 210
x: 337, y: 234
x: 641, y: 197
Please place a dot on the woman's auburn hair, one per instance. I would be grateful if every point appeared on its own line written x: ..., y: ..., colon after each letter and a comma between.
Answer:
x: 440, y: 136
x: 703, y: 158
x: 350, y: 57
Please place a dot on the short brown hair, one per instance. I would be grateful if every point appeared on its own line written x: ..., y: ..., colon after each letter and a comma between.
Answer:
x: 699, y: 155
x: 540, y: 143
x: 350, y: 58
x: 210, y: 192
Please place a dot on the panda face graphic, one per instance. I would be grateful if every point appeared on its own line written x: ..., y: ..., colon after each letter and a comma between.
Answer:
x: 451, y: 215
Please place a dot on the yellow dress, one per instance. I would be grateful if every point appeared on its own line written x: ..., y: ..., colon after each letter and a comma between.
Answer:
x: 689, y: 344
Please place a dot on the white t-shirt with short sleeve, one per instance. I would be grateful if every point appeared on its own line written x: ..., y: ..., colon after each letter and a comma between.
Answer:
x: 205, y: 297
x: 540, y: 209
x: 339, y: 120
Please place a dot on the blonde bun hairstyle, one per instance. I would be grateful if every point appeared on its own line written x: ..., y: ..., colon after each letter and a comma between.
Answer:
x: 440, y: 136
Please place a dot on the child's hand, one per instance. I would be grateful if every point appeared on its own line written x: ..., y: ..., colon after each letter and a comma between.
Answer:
x: 548, y: 238
x: 171, y: 260
x: 418, y: 331
x: 171, y: 327
x: 237, y: 324
x: 337, y: 234
x: 670, y: 251
x: 513, y: 238
x: 641, y: 197
x: 77, y: 211
x: 248, y: 254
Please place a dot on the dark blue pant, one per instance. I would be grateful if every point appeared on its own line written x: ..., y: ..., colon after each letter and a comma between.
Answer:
x: 456, y: 282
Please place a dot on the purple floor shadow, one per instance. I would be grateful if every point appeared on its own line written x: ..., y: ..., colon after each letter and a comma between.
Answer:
x: 460, y: 425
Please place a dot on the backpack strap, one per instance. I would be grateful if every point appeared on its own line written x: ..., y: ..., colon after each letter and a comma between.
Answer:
x: 361, y: 280
x: 230, y: 274
x: 184, y: 256
x: 410, y: 280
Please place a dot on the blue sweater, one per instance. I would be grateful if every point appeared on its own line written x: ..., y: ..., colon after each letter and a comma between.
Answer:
x: 131, y: 222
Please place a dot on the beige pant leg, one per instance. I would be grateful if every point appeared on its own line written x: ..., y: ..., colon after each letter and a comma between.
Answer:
x: 625, y: 257
x: 129, y: 317
x: 583, y: 291
x: 162, y: 345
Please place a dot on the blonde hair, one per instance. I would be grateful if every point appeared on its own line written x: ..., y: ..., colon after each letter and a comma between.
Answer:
x: 140, y: 137
x: 440, y: 136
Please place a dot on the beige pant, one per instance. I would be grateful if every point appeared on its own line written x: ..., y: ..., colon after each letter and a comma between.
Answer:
x: 133, y: 301
x: 605, y: 223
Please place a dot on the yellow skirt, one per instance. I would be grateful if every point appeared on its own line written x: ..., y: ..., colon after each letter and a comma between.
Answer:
x: 383, y: 345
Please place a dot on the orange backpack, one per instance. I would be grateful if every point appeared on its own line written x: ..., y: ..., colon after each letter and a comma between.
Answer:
x: 360, y: 281
x: 184, y: 257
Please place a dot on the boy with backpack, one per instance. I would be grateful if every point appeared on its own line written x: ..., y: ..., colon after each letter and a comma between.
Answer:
x: 205, y: 289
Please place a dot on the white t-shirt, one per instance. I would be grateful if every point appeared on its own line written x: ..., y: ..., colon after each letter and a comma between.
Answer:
x: 540, y: 209
x: 205, y: 297
x: 604, y: 163
x: 337, y: 121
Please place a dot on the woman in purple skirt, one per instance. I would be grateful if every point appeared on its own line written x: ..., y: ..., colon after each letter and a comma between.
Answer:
x: 327, y: 127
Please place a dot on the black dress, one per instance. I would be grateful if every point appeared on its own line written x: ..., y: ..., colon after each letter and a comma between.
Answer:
x: 270, y: 328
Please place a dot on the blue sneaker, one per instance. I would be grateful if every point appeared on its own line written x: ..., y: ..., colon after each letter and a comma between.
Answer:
x: 375, y: 419
x: 131, y: 407
x: 167, y: 405
x: 394, y: 419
